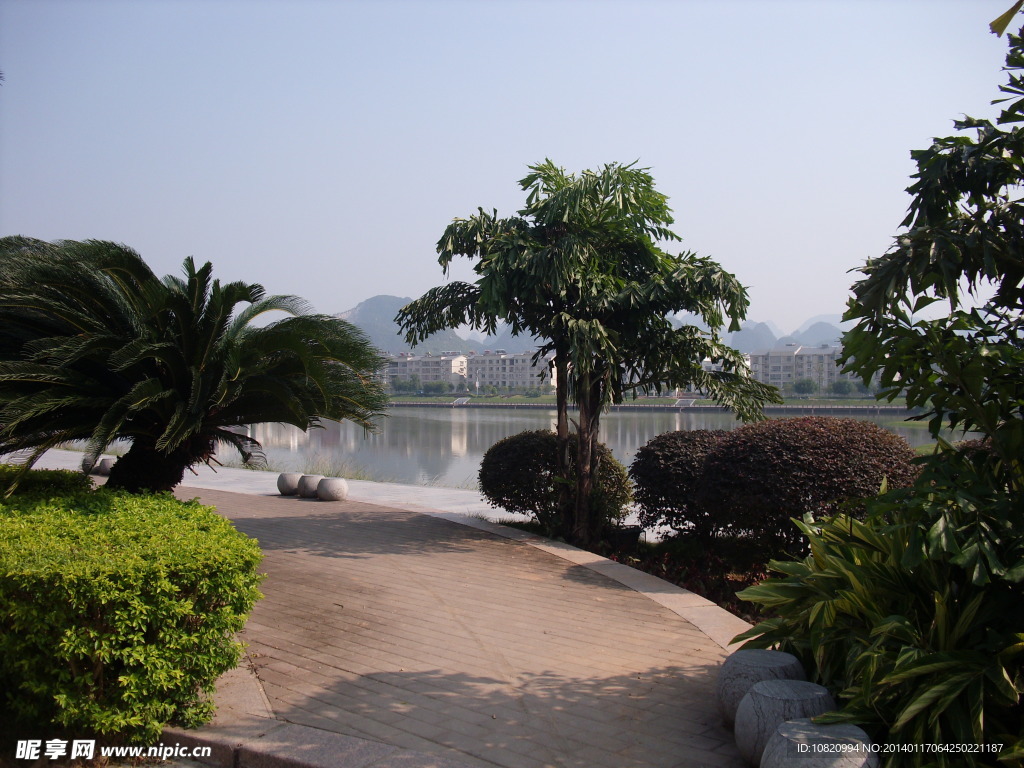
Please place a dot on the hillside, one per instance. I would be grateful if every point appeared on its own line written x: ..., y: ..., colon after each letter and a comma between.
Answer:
x: 376, y: 318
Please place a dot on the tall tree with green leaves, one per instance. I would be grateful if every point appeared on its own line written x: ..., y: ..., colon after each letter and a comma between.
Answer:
x: 963, y: 246
x: 95, y: 347
x: 580, y: 268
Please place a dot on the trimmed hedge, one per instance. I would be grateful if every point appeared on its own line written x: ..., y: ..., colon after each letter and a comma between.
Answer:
x: 666, y: 472
x: 520, y: 474
x: 118, y: 612
x: 43, y: 482
x: 762, y: 475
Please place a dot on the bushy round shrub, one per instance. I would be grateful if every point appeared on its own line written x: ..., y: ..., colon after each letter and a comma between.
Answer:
x: 520, y: 474
x: 761, y: 475
x: 118, y: 612
x: 665, y: 474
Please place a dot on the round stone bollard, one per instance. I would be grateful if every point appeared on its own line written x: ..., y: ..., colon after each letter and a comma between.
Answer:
x: 103, y: 467
x: 308, y: 484
x: 801, y: 742
x: 332, y: 489
x: 770, y: 703
x: 288, y: 483
x: 745, y: 667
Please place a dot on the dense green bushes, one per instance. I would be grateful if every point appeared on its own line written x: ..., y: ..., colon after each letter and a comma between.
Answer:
x: 42, y: 482
x: 913, y: 616
x: 520, y: 474
x: 118, y: 612
x: 747, y: 484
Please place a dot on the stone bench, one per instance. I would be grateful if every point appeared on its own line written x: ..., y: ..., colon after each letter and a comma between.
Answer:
x: 803, y: 743
x: 771, y: 703
x: 745, y: 667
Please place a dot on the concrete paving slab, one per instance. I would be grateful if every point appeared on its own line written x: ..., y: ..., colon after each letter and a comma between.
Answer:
x: 425, y: 636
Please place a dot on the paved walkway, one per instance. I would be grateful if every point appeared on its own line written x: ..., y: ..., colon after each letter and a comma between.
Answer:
x: 433, y: 642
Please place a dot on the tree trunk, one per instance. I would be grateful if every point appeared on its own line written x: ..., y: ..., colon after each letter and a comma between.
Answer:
x: 144, y: 469
x: 566, y: 510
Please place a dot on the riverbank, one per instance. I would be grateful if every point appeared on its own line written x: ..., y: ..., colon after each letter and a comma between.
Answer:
x: 802, y: 408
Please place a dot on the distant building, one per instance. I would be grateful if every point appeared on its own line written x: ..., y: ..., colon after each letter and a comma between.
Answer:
x: 508, y: 371
x: 450, y: 367
x: 783, y: 366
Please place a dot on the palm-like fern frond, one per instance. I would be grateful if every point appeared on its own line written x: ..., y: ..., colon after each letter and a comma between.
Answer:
x: 95, y: 347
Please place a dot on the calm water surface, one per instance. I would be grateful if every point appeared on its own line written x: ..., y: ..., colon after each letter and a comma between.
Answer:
x: 443, y: 446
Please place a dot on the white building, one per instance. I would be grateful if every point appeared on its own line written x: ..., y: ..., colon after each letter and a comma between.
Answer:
x: 783, y: 366
x: 450, y: 367
x: 503, y: 370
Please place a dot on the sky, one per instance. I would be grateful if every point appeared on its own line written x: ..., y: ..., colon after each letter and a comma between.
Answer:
x: 320, y: 148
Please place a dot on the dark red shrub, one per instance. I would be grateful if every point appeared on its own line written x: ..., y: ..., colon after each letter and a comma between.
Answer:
x: 665, y: 474
x: 759, y: 476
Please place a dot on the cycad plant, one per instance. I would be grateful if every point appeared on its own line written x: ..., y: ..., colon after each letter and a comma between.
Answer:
x: 95, y: 347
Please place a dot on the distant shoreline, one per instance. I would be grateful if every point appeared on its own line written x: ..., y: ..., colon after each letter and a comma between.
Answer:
x: 768, y: 409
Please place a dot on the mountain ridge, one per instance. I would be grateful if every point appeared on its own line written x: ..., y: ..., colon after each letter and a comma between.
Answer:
x: 375, y: 316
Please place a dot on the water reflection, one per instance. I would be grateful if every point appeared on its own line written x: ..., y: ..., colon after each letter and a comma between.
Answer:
x: 443, y: 446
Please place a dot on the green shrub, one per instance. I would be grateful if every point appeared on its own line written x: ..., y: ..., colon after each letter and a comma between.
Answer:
x: 118, y: 612
x: 520, y: 474
x: 43, y: 482
x: 913, y: 616
x: 665, y: 474
x: 761, y: 475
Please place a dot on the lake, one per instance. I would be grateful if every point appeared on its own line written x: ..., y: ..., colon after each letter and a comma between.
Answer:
x: 444, y: 446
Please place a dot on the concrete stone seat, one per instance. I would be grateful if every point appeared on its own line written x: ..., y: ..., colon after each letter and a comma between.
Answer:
x: 308, y: 484
x: 332, y: 489
x: 841, y: 745
x: 746, y: 667
x: 288, y: 483
x: 768, y: 705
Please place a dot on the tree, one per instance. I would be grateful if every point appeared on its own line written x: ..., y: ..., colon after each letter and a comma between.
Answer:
x: 579, y: 268
x: 964, y: 237
x: 841, y: 387
x: 913, y: 615
x: 94, y: 347
x: 805, y: 386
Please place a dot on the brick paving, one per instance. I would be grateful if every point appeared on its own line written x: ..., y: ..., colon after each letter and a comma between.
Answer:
x: 419, y: 632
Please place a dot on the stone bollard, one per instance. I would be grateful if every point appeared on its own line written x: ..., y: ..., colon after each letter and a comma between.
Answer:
x: 332, y: 489
x: 745, y: 667
x: 288, y: 483
x: 770, y: 703
x: 840, y: 746
x: 308, y: 484
x: 103, y: 467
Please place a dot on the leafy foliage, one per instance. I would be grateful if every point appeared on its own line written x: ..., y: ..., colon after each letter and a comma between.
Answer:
x: 521, y: 474
x: 118, y: 611
x: 93, y: 346
x: 913, y: 615
x: 44, y: 482
x: 666, y: 472
x: 761, y: 475
x: 579, y: 268
x: 917, y: 652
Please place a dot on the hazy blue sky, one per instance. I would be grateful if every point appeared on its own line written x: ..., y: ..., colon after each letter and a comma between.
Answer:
x: 320, y: 148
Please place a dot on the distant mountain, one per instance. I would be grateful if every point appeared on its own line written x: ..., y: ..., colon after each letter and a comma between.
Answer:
x: 376, y: 318
x: 820, y: 333
x: 836, y: 320
x: 754, y: 338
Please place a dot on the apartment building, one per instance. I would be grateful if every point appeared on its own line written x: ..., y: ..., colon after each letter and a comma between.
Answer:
x: 449, y: 367
x: 503, y: 370
x: 783, y: 366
